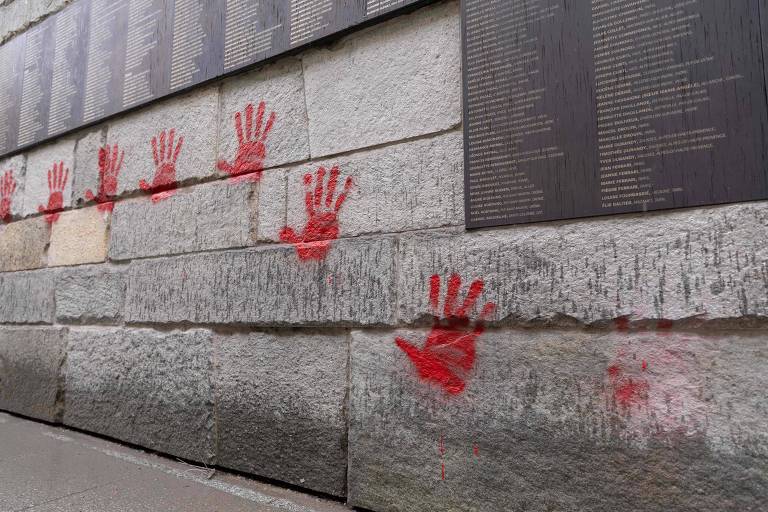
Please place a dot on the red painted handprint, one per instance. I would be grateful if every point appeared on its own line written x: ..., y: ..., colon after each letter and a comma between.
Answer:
x: 322, y: 216
x: 57, y: 182
x: 252, y: 144
x: 7, y: 188
x: 449, y: 352
x: 165, y: 166
x: 109, y: 168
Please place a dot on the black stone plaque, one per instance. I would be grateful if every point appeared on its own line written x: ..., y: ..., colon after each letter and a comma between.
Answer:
x: 97, y: 58
x: 578, y: 108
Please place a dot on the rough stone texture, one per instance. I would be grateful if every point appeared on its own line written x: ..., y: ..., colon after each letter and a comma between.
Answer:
x: 18, y: 165
x: 396, y: 80
x: 547, y: 423
x: 90, y: 294
x: 87, y: 164
x: 39, y: 161
x: 272, y: 205
x: 409, y: 186
x: 13, y: 16
x: 31, y: 382
x: 268, y: 286
x: 144, y: 387
x: 27, y: 297
x: 79, y: 236
x: 193, y: 116
x: 41, y: 8
x: 281, y: 87
x: 281, y: 407
x: 217, y: 215
x: 23, y: 244
x: 704, y: 264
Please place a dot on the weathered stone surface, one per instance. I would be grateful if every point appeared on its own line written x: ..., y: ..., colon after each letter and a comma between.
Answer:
x: 193, y: 116
x: 79, y: 236
x: 144, y: 387
x: 90, y: 294
x: 267, y: 286
x: 217, y: 215
x: 408, y: 186
x: 272, y: 205
x: 40, y: 162
x: 281, y: 407
x: 13, y: 16
x: 41, y: 8
x: 87, y: 164
x: 563, y: 420
x: 23, y: 244
x: 281, y: 87
x: 703, y: 264
x: 27, y: 297
x: 31, y: 382
x: 18, y: 166
x: 396, y: 80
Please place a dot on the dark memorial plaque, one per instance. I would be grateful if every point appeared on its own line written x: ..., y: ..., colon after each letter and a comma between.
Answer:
x: 578, y: 108
x: 97, y: 58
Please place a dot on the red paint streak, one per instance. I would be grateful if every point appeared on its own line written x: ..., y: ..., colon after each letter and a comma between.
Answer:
x: 165, y: 156
x: 476, y: 450
x: 322, y: 227
x: 252, y: 148
x: 665, y: 324
x: 7, y: 189
x: 449, y: 351
x: 109, y: 169
x: 622, y: 323
x: 441, y: 449
x: 627, y: 391
x: 57, y: 181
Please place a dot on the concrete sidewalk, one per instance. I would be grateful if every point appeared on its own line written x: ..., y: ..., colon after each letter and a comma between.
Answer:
x: 49, y: 469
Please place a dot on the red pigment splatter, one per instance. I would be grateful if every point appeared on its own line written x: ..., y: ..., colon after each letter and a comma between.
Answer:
x: 322, y: 226
x: 252, y: 148
x: 109, y: 169
x: 441, y: 449
x: 164, y: 183
x: 626, y: 390
x: 449, y: 351
x: 57, y: 181
x: 7, y: 188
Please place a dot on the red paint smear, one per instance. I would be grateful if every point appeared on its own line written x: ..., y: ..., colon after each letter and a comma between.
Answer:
x: 7, y: 189
x: 626, y: 390
x: 322, y: 226
x: 58, y: 175
x: 110, y: 163
x: 449, y: 351
x: 665, y: 324
x: 252, y: 149
x: 476, y: 450
x: 622, y: 323
x: 165, y: 156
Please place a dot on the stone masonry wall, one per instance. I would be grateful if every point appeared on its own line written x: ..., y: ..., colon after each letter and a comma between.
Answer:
x: 232, y: 304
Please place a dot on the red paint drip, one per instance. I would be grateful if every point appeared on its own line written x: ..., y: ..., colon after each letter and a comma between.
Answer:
x: 476, y: 450
x: 322, y: 227
x: 252, y: 149
x: 449, y: 351
x: 622, y: 323
x: 165, y: 157
x: 7, y: 189
x: 58, y: 175
x: 110, y: 163
x: 665, y: 324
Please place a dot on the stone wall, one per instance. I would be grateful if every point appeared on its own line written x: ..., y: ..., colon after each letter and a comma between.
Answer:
x: 620, y: 364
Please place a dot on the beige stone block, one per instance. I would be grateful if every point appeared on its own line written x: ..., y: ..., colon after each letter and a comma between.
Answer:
x: 22, y: 244
x: 79, y: 236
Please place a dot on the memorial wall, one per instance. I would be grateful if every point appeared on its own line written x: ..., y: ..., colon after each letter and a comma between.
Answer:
x: 583, y: 108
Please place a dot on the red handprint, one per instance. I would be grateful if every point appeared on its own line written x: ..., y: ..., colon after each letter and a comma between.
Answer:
x: 57, y: 181
x: 449, y: 352
x: 165, y: 166
x: 109, y: 168
x: 7, y: 188
x: 252, y: 148
x: 322, y: 219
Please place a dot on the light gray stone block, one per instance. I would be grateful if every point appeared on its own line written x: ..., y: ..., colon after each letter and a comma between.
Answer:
x: 86, y: 175
x: 281, y: 87
x: 90, y: 294
x: 27, y: 297
x: 217, y: 215
x: 272, y: 205
x: 396, y: 80
x: 192, y: 116
x: 281, y: 407
x: 41, y: 8
x: 414, y: 185
x: 31, y: 382
x: 701, y: 264
x: 18, y: 166
x: 40, y: 162
x: 563, y: 420
x: 144, y: 387
x: 23, y: 244
x: 267, y: 286
x: 13, y: 17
